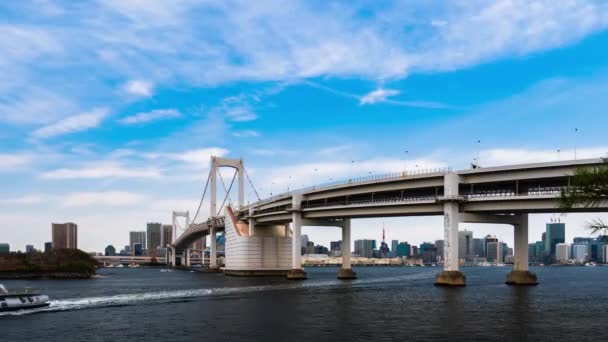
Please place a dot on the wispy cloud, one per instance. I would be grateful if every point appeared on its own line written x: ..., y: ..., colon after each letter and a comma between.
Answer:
x: 139, y: 88
x: 76, y: 123
x: 200, y: 156
x: 510, y: 156
x: 154, y: 115
x: 102, y: 170
x: 13, y: 161
x: 378, y: 95
x: 246, y: 134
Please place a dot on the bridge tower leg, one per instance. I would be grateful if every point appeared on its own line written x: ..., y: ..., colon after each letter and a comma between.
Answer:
x: 187, y: 257
x: 212, y: 249
x: 346, y: 271
x: 520, y: 274
x: 173, y: 251
x: 450, y: 276
x: 296, y: 272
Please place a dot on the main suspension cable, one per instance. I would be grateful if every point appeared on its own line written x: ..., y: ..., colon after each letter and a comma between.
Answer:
x: 253, y: 187
x: 227, y: 191
x: 200, y: 204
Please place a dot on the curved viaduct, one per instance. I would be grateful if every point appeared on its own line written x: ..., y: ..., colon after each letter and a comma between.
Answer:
x: 504, y: 194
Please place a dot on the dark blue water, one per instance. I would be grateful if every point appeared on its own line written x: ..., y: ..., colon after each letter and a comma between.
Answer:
x: 384, y: 304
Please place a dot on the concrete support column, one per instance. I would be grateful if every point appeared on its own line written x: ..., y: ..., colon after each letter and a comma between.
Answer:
x: 450, y: 276
x: 251, y: 222
x: 296, y: 271
x: 346, y: 271
x: 213, y: 249
x: 173, y: 251
x: 520, y: 274
x: 187, y: 257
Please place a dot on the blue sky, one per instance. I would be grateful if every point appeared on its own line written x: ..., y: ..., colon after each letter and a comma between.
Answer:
x: 109, y: 110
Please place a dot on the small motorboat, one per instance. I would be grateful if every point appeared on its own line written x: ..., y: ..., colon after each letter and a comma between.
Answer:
x: 13, y: 301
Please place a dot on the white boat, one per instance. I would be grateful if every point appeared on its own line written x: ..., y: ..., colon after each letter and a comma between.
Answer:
x: 21, y: 300
x: 591, y: 264
x: 120, y: 266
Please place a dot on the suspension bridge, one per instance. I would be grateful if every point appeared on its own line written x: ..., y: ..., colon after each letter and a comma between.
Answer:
x: 264, y: 237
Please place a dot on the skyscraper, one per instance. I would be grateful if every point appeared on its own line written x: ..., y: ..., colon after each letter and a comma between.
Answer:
x: 65, y: 235
x: 48, y: 246
x: 153, y: 236
x: 363, y: 248
x: 29, y: 248
x: 562, y: 252
x: 554, y: 234
x: 5, y: 248
x: 479, y: 248
x: 403, y: 249
x: 440, y: 249
x: 579, y: 253
x: 494, y: 251
x: 487, y: 240
x: 137, y: 237
x: 167, y: 235
x: 465, y: 245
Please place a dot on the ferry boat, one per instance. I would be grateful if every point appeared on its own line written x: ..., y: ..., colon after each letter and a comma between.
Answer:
x: 21, y: 300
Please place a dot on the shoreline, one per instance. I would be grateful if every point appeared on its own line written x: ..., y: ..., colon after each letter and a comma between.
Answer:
x: 16, y: 275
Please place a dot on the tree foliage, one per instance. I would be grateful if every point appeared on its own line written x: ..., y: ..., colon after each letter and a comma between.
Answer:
x: 588, y: 187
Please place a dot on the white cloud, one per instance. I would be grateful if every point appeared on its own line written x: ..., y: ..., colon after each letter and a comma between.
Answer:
x: 507, y: 156
x: 378, y: 95
x: 102, y: 170
x: 200, y: 156
x: 27, y: 199
x: 154, y: 115
x: 240, y: 114
x: 246, y: 134
x: 139, y: 88
x: 105, y: 198
x: 13, y: 161
x: 76, y: 123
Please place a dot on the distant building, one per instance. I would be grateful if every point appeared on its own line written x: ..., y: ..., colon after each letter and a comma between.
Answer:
x: 167, y: 235
x: 364, y: 248
x: 562, y: 252
x: 555, y: 233
x: 465, y: 245
x: 304, y: 243
x: 494, y: 251
x: 394, y: 245
x: 489, y: 239
x: 110, y: 251
x: 65, y: 235
x: 605, y: 249
x: 137, y: 249
x: 479, y: 248
x: 153, y: 235
x: 403, y: 249
x: 579, y: 253
x: 127, y: 249
x: 137, y: 237
x: 5, y: 248
x: 48, y: 246
x: 29, y: 249
x: 318, y: 249
x: 200, y: 244
x: 335, y: 248
x: 428, y: 252
x: 310, y: 248
x: 539, y: 251
x: 415, y: 253
x: 590, y: 243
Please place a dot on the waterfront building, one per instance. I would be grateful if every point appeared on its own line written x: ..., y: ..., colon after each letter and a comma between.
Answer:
x: 479, y: 250
x: 364, y: 248
x: 494, y: 251
x: 48, y: 246
x: 539, y: 250
x: 318, y: 249
x: 579, y: 253
x: 465, y: 245
x: 555, y: 233
x: 394, y: 245
x: 5, y: 248
x: 415, y: 252
x: 304, y: 244
x: 562, y: 252
x: 439, y: 244
x: 64, y: 235
x: 198, y: 245
x: 137, y: 237
x: 428, y: 252
x: 110, y: 251
x: 167, y: 235
x: 605, y: 249
x: 531, y: 252
x: 128, y: 249
x: 29, y: 249
x: 138, y: 249
x: 403, y: 249
x: 335, y: 248
x: 505, y: 251
x: 153, y: 235
x: 488, y: 239
x: 600, y: 251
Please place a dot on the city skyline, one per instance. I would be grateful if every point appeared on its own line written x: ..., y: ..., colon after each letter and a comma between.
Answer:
x: 134, y: 140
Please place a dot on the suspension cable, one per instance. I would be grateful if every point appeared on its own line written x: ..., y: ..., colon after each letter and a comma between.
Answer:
x: 200, y: 204
x: 251, y: 183
x: 227, y: 192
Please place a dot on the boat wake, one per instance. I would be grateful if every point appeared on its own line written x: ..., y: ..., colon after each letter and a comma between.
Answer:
x: 135, y: 298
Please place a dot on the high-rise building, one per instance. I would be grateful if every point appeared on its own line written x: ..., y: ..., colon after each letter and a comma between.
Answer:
x: 555, y: 233
x: 415, y: 253
x: 138, y: 249
x: 605, y: 249
x: 304, y: 243
x: 479, y: 248
x: 128, y: 249
x: 153, y: 236
x: 310, y: 248
x: 440, y: 249
x: 65, y: 235
x: 364, y: 248
x: 394, y: 245
x: 579, y: 253
x: 403, y: 249
x: 48, y: 246
x: 200, y: 244
x: 539, y: 250
x: 167, y: 235
x: 110, y: 251
x: 335, y: 245
x: 494, y: 251
x: 532, y: 252
x: 465, y: 245
x: 29, y: 248
x: 428, y: 252
x: 137, y: 237
x: 562, y: 252
x: 5, y: 248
